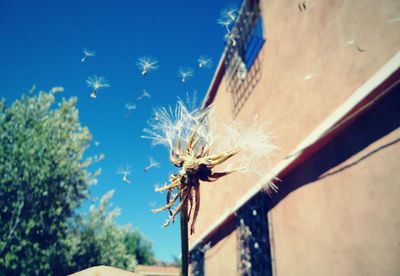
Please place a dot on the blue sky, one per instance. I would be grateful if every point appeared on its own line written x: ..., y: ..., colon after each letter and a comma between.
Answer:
x: 41, y: 43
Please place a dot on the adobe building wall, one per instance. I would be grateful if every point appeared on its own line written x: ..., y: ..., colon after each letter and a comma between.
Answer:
x: 346, y: 223
x: 221, y: 258
x: 309, y: 68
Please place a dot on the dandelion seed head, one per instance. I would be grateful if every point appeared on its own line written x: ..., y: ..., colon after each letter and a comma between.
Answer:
x: 174, y: 127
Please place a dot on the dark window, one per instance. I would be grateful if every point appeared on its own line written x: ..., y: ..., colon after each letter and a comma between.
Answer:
x: 243, y: 54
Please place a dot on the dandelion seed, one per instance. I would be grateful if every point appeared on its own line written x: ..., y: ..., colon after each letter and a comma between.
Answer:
x: 185, y: 73
x: 86, y: 54
x: 96, y: 83
x: 93, y: 181
x: 232, y: 37
x: 230, y: 12
x: 144, y: 95
x: 98, y: 158
x: 129, y: 108
x: 153, y: 204
x: 226, y: 22
x: 96, y: 143
x: 152, y: 164
x: 354, y: 43
x: 147, y: 64
x: 205, y: 62
x: 309, y: 76
x: 156, y: 186
x: 57, y: 89
x: 228, y: 16
x: 125, y: 171
x: 33, y: 88
x: 242, y: 71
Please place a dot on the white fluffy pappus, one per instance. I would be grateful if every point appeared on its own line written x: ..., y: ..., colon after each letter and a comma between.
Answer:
x: 168, y: 126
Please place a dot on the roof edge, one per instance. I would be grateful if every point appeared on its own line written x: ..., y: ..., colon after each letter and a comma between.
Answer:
x: 215, y: 82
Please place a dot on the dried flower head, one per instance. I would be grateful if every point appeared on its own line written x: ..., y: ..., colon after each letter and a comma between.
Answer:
x: 196, y: 151
x: 205, y: 62
x: 146, y: 64
x: 184, y: 73
x: 87, y: 53
x: 96, y: 83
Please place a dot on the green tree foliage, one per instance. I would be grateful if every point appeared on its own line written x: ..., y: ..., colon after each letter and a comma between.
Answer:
x: 42, y: 180
x: 139, y: 246
x: 96, y: 240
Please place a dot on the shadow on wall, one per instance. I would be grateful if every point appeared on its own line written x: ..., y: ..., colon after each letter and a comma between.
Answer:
x: 376, y: 122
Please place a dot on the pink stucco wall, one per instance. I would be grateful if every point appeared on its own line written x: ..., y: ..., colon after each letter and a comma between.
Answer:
x: 308, y: 70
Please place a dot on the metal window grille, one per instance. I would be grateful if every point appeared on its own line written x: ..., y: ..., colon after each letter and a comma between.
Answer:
x: 244, y: 54
x: 253, y: 238
x: 197, y: 261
